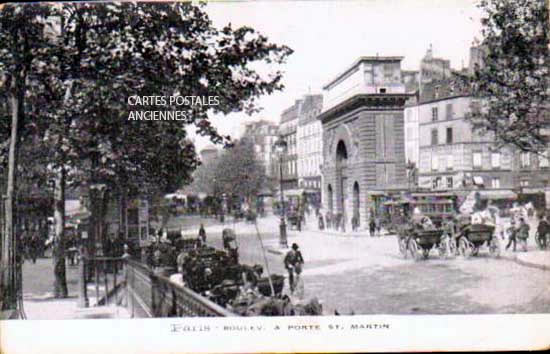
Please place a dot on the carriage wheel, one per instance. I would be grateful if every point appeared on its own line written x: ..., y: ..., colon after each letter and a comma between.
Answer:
x: 402, y: 246
x: 413, y: 249
x: 464, y: 248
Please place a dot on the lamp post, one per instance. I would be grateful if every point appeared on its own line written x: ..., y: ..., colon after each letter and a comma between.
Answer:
x: 280, y: 148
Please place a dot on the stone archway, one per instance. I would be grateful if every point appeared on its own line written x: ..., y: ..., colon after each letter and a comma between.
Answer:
x: 341, y: 183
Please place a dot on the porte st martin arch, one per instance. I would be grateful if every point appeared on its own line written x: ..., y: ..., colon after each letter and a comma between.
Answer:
x: 363, y: 138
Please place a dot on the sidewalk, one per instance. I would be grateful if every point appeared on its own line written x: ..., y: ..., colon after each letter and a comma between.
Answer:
x: 534, y: 259
x: 49, y: 308
x: 40, y: 304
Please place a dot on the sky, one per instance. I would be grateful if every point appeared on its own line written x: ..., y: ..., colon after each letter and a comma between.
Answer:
x: 328, y: 36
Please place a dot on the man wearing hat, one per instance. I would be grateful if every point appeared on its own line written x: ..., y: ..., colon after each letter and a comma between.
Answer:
x: 512, y: 236
x: 293, y: 263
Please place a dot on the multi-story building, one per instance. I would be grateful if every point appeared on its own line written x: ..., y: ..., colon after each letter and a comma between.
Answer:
x: 287, y: 131
x: 433, y: 69
x: 411, y: 134
x: 263, y: 134
x: 411, y: 80
x: 363, y: 138
x: 454, y: 156
x: 209, y: 154
x: 310, y: 144
x: 310, y: 148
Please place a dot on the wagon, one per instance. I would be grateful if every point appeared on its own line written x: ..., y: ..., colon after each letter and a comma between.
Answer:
x: 473, y: 236
x: 418, y: 242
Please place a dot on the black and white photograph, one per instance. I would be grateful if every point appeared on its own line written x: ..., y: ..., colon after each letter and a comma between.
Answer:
x: 283, y: 171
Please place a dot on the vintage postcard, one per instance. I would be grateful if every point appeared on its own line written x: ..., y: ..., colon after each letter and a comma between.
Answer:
x: 274, y: 176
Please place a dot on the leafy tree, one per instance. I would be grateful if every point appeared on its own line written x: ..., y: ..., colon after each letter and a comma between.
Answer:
x: 23, y: 51
x: 99, y: 54
x: 237, y: 172
x: 512, y: 81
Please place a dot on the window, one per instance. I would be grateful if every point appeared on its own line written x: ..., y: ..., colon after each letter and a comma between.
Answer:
x: 495, y: 160
x: 434, y: 137
x: 434, y: 114
x: 524, y: 183
x: 525, y: 160
x: 436, y: 184
x: 495, y: 183
x: 449, y: 111
x: 435, y: 163
x: 477, y: 159
x: 543, y: 159
x: 449, y: 135
x: 450, y: 162
x: 450, y: 182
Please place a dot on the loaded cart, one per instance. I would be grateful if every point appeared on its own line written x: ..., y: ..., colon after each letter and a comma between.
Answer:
x: 418, y: 242
x: 473, y: 236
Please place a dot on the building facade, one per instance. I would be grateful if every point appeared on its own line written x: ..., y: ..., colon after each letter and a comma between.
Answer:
x: 263, y: 135
x: 209, y: 154
x: 287, y: 131
x: 363, y: 137
x: 453, y: 156
x: 433, y: 69
x: 310, y: 143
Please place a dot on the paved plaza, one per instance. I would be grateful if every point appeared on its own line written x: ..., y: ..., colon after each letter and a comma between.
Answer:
x: 356, y: 273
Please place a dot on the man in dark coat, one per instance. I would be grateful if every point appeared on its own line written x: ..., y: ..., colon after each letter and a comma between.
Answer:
x: 293, y: 263
x: 202, y: 234
x: 543, y: 229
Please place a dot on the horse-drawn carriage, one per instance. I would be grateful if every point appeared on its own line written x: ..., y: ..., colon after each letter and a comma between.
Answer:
x: 417, y: 241
x: 471, y: 237
x: 419, y: 221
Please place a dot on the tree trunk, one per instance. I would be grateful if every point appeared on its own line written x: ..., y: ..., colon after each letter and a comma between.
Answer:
x: 60, y: 279
x: 122, y: 210
x: 9, y: 242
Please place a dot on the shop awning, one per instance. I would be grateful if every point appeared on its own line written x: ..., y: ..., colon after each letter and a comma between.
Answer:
x: 498, y: 194
x: 290, y: 193
x: 478, y: 180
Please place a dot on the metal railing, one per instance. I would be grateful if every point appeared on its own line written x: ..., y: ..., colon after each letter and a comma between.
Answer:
x: 153, y: 295
x: 103, y: 277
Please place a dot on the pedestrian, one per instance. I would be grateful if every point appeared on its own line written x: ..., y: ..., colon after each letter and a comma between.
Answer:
x: 543, y: 229
x: 202, y: 234
x: 512, y: 236
x: 372, y: 226
x: 378, y: 226
x: 293, y: 263
x: 523, y: 233
x: 321, y: 223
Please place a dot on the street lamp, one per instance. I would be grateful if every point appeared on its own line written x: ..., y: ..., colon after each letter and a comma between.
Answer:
x: 280, y: 148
